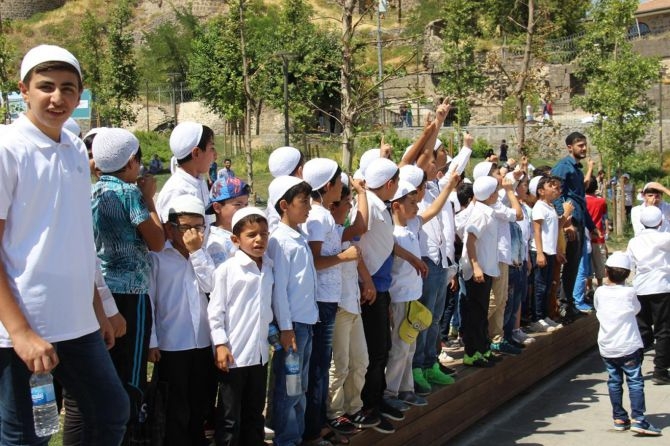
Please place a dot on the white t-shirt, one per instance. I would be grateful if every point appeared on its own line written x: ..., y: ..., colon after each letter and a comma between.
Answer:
x: 650, y: 253
x: 320, y: 227
x: 350, y: 300
x: 182, y: 183
x: 406, y: 284
x: 635, y: 217
x: 505, y: 215
x: 484, y: 226
x: 546, y: 213
x: 219, y: 245
x: 377, y: 243
x: 616, y: 307
x: 47, y: 248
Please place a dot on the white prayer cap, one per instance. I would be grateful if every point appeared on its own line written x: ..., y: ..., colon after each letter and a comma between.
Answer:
x: 618, y: 259
x: 482, y: 169
x: 484, y: 187
x: 651, y: 216
x: 283, y: 161
x: 368, y: 157
x: 318, y: 172
x: 404, y: 188
x: 93, y: 131
x: 185, y: 204
x: 72, y: 126
x: 379, y: 172
x: 112, y: 149
x: 412, y: 174
x: 47, y: 53
x: 184, y: 138
x: 245, y: 212
x: 279, y: 186
x: 438, y: 143
x: 345, y: 179
x: 532, y: 185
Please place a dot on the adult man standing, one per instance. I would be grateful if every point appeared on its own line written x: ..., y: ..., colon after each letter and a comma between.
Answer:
x: 569, y: 171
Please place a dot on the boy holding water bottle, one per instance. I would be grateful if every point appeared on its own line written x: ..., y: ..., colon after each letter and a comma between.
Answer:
x: 239, y: 314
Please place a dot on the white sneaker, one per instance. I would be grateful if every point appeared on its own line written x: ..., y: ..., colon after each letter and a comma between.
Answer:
x: 269, y: 433
x: 522, y: 338
x: 553, y: 323
x: 541, y: 326
x: 444, y: 357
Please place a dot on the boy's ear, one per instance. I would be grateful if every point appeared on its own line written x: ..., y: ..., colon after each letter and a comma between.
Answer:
x: 217, y: 207
x: 283, y: 205
x: 235, y: 239
x: 167, y: 229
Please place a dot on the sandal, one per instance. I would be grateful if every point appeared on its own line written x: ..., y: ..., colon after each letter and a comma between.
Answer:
x: 336, y: 438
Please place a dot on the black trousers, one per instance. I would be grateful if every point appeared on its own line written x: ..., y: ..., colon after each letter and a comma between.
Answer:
x: 239, y: 414
x: 653, y: 321
x: 474, y: 315
x: 377, y: 328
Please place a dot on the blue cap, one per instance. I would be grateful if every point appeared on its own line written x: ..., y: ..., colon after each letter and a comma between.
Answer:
x: 226, y: 188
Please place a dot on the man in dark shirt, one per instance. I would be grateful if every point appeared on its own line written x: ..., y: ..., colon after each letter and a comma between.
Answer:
x: 569, y: 169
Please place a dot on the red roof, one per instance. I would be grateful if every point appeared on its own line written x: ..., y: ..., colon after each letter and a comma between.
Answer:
x: 653, y: 6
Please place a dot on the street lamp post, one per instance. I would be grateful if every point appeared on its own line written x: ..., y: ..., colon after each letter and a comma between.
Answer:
x: 380, y: 10
x: 660, y: 113
x: 285, y: 57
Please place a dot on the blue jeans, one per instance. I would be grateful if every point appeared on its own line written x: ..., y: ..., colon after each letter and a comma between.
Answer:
x: 86, y: 371
x: 288, y: 412
x: 433, y: 297
x: 631, y: 367
x: 542, y: 285
x: 518, y: 287
x: 319, y: 365
x: 584, y: 272
x: 452, y: 309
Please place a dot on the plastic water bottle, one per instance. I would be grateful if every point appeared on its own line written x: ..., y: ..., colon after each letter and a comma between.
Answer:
x: 45, y: 410
x: 292, y: 366
x: 273, y: 337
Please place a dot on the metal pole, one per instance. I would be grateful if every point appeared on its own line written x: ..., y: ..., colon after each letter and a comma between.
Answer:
x: 660, y: 115
x: 286, y: 123
x: 147, y: 94
x: 379, y: 62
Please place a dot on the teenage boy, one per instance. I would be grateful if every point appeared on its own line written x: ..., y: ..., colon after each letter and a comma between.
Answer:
x: 48, y: 261
x: 652, y: 195
x: 240, y: 313
x: 192, y: 145
x: 180, y: 345
x: 227, y: 196
x: 293, y: 302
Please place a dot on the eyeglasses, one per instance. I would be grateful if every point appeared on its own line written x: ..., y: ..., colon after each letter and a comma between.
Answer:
x: 184, y: 228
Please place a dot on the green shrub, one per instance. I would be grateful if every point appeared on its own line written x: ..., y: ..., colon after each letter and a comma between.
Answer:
x: 480, y: 147
x: 154, y: 143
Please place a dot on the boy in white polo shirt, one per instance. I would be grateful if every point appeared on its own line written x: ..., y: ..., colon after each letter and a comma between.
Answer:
x: 285, y: 160
x: 48, y: 261
x: 240, y: 313
x: 180, y: 346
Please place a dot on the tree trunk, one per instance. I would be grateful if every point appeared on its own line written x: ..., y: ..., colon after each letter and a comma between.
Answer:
x: 249, y: 107
x: 347, y: 113
x: 524, y: 74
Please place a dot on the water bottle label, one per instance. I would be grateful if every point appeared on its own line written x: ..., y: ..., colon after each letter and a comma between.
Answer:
x: 42, y: 395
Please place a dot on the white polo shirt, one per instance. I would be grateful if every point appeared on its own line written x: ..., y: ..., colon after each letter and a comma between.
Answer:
x: 47, y: 248
x: 219, y: 245
x: 545, y: 212
x: 650, y: 254
x: 240, y: 308
x: 406, y: 283
x: 616, y: 307
x: 182, y: 183
x: 505, y: 215
x: 177, y: 290
x: 431, y: 234
x: 377, y: 243
x: 483, y: 224
x: 320, y: 227
x: 635, y: 217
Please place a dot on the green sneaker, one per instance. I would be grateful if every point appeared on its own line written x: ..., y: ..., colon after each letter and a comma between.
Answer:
x: 421, y: 386
x: 490, y: 357
x: 476, y: 360
x: 435, y: 376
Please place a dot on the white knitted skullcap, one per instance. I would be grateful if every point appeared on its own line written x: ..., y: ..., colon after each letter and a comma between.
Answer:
x: 184, y: 138
x: 367, y: 158
x: 532, y: 185
x: 112, y: 149
x: 93, y: 131
x: 283, y: 161
x: 618, y: 259
x: 245, y: 212
x: 185, y: 204
x: 345, y: 179
x: 411, y: 174
x: 481, y: 169
x: 318, y: 172
x: 484, y: 187
x: 379, y: 172
x: 47, y: 53
x: 404, y: 188
x: 279, y: 186
x: 651, y: 216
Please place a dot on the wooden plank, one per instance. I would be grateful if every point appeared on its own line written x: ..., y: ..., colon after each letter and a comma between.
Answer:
x: 477, y: 392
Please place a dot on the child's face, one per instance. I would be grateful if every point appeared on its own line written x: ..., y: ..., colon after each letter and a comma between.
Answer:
x: 297, y: 210
x: 51, y: 97
x: 206, y: 157
x: 226, y: 210
x: 340, y: 209
x: 407, y: 207
x: 334, y: 191
x: 253, y: 239
x: 185, y: 224
x: 551, y: 191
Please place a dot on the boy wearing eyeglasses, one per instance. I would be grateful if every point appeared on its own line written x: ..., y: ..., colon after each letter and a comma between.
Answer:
x: 180, y: 345
x: 125, y: 228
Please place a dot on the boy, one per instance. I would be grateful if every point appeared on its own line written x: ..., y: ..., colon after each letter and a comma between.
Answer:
x: 284, y: 160
x: 325, y: 241
x: 650, y: 254
x: 240, y: 313
x: 544, y: 251
x: 180, y: 346
x: 227, y: 196
x: 126, y: 226
x: 48, y: 264
x: 293, y: 302
x: 192, y: 145
x: 620, y: 345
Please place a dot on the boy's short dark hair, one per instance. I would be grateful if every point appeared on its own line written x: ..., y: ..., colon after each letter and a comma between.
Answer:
x: 617, y: 275
x: 591, y: 186
x: 249, y: 219
x: 207, y: 135
x: 298, y: 189
x: 573, y: 138
x: 464, y: 193
x: 317, y: 193
x: 542, y: 171
x: 52, y: 66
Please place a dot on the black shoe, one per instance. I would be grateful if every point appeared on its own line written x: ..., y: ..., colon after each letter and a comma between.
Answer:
x: 516, y: 344
x: 390, y: 412
x: 342, y: 425
x: 364, y: 419
x: 661, y: 379
x: 384, y: 426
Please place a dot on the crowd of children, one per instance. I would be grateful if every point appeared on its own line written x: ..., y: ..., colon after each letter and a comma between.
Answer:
x: 356, y: 277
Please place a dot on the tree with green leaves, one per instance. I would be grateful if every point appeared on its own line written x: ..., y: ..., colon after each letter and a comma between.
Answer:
x: 7, y: 75
x: 462, y: 72
x: 92, y: 54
